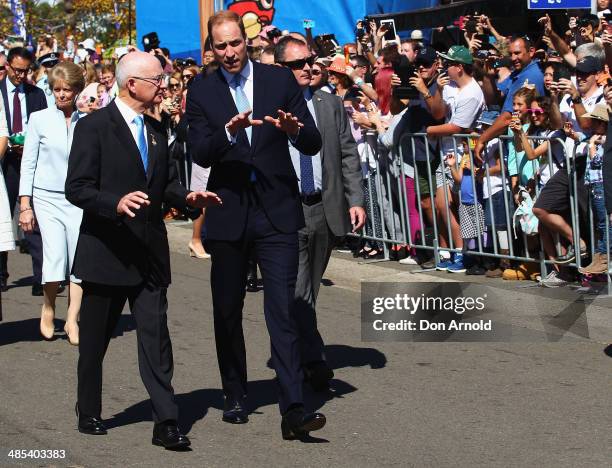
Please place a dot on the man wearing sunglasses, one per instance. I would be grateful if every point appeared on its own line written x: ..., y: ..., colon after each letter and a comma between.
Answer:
x: 330, y: 185
x: 20, y: 100
x: 241, y: 119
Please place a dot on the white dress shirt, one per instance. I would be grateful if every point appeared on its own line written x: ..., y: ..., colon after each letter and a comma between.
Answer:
x: 128, y: 115
x: 317, y: 170
x: 10, y: 91
x: 44, y: 163
x: 246, y: 82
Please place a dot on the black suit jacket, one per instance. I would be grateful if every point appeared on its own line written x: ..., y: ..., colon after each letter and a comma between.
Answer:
x: 35, y: 101
x: 209, y: 107
x: 105, y: 165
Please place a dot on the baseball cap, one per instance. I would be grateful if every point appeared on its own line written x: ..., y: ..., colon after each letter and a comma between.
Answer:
x: 49, y: 60
x: 426, y: 56
x: 458, y: 54
x: 589, y: 64
x: 88, y: 44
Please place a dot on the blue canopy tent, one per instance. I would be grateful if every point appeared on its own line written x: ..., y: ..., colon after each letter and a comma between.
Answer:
x: 178, y: 27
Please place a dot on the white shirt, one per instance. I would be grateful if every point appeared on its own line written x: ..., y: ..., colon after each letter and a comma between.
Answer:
x: 246, y: 81
x: 566, y: 107
x: 10, y: 91
x: 494, y: 182
x: 464, y: 108
x: 128, y: 115
x: 317, y: 170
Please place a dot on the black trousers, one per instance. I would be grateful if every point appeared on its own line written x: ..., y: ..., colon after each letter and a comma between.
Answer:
x: 11, y: 165
x: 277, y: 256
x: 100, y: 311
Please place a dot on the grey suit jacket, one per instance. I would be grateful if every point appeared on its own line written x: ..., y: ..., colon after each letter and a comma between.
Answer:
x: 341, y: 168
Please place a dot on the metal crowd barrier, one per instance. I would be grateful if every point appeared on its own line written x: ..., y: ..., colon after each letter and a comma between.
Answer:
x: 387, y: 199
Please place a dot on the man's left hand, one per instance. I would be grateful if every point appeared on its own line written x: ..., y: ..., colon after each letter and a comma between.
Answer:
x: 203, y: 199
x: 358, y: 217
x: 285, y: 122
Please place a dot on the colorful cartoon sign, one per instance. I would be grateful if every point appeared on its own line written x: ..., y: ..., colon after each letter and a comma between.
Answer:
x: 255, y: 14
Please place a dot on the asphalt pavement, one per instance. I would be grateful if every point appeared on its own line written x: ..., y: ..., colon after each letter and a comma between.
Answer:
x: 544, y: 401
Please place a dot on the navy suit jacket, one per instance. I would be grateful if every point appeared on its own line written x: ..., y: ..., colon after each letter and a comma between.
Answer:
x: 35, y: 101
x: 209, y: 107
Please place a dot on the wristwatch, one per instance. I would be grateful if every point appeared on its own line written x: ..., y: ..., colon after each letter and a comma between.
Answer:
x: 427, y: 96
x: 577, y: 100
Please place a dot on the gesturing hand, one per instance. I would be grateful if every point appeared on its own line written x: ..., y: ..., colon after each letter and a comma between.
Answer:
x: 203, y: 199
x: 285, y: 122
x: 132, y: 201
x: 241, y: 121
x: 546, y: 24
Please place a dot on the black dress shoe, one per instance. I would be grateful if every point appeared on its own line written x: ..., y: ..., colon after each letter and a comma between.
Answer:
x: 234, y: 411
x: 251, y: 285
x: 168, y: 435
x: 37, y: 290
x: 296, y: 423
x: 89, y: 424
x: 318, y: 375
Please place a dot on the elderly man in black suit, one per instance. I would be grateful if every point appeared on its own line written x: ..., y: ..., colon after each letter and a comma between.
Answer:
x: 240, y: 120
x: 332, y: 199
x: 119, y: 173
x: 20, y: 100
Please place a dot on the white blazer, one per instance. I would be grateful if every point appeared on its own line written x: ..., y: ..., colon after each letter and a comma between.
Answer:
x: 44, y: 163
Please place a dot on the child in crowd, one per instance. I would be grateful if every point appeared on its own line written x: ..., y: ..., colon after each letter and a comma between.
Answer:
x: 471, y: 214
x: 593, y: 176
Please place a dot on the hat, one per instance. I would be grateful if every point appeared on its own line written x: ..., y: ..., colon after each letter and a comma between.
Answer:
x: 338, y: 65
x: 323, y: 61
x: 458, y: 54
x: 88, y: 44
x: 589, y: 64
x: 426, y: 55
x: 416, y: 35
x: 600, y: 112
x: 49, y: 60
x: 504, y: 62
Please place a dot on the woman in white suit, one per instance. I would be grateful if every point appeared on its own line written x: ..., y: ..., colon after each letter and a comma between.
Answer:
x: 44, y: 165
x: 7, y: 236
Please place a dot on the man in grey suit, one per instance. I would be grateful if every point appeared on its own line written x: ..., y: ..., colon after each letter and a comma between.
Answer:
x: 332, y: 199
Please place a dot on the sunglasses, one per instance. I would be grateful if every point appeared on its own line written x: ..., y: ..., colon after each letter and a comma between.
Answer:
x: 315, y: 72
x: 299, y: 64
x: 2, y: 67
x: 187, y: 76
x: 174, y: 85
x: 536, y: 111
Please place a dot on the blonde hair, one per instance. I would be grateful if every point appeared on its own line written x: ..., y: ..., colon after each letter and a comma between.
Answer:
x: 68, y: 72
x: 90, y: 73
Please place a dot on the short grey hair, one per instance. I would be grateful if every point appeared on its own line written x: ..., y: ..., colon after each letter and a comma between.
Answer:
x: 590, y: 49
x: 131, y: 65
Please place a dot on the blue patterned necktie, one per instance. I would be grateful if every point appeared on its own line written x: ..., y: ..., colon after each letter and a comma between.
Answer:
x: 141, y: 141
x: 242, y: 102
x: 306, y: 174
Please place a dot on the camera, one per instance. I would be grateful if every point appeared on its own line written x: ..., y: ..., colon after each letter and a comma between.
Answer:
x: 150, y: 41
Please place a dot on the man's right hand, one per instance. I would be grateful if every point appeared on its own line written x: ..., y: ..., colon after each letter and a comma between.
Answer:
x: 241, y: 121
x: 132, y: 201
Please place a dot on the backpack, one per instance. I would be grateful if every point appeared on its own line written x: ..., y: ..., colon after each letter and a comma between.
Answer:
x: 526, y: 219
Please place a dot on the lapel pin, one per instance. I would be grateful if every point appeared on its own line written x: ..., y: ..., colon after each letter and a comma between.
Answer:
x: 153, y: 141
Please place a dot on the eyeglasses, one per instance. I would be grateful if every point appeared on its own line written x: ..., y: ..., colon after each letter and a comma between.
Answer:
x: 154, y: 80
x: 19, y: 71
x: 299, y: 64
x: 535, y: 111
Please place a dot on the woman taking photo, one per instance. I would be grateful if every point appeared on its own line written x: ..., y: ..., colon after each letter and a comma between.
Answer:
x: 43, y: 174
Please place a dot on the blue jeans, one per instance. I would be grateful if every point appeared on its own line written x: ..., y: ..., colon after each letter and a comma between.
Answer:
x: 598, y: 202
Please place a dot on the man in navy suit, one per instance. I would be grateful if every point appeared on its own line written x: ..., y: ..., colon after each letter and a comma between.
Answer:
x: 20, y: 99
x: 240, y: 121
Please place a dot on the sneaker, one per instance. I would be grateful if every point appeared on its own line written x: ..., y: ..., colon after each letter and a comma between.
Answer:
x: 553, y: 280
x: 570, y: 255
x: 443, y: 265
x: 408, y: 261
x: 457, y: 266
x: 476, y: 270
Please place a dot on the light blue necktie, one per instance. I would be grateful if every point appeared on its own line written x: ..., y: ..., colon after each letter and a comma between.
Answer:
x: 242, y: 102
x: 141, y: 141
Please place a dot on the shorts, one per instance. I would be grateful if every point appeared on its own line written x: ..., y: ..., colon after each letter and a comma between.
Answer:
x: 555, y: 195
x: 423, y: 176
